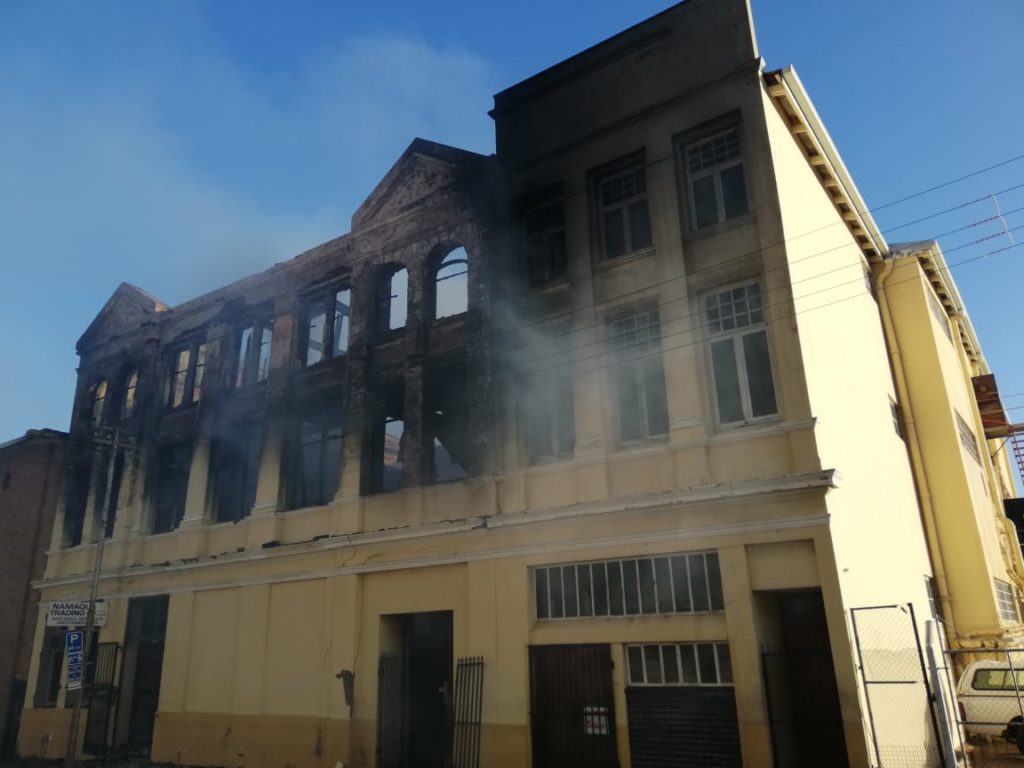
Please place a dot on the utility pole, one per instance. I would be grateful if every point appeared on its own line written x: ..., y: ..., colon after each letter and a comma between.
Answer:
x: 109, y: 508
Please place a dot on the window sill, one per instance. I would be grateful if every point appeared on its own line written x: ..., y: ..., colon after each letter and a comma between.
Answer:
x: 550, y: 286
x: 639, y: 446
x: 601, y: 263
x: 720, y: 227
x: 753, y: 424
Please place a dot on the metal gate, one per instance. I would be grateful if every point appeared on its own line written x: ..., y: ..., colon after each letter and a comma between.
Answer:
x: 900, y: 703
x: 572, y: 711
x: 467, y: 710
x: 390, y: 710
x: 102, y: 700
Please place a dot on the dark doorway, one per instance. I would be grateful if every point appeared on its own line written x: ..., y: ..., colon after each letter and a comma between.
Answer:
x: 800, y: 683
x: 141, y: 669
x: 414, y: 691
x: 572, y: 711
x: 15, y: 703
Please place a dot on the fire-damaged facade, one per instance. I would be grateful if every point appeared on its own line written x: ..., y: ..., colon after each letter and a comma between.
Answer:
x: 574, y: 454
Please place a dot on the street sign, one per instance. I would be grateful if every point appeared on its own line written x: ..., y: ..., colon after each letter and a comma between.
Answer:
x: 72, y: 613
x: 74, y: 642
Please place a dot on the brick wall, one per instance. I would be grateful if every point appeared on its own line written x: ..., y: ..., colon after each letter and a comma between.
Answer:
x: 675, y: 726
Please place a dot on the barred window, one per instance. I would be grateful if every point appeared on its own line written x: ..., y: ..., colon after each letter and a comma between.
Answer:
x: 670, y: 664
x: 689, y: 583
x: 940, y: 313
x: 967, y: 438
x: 1006, y: 601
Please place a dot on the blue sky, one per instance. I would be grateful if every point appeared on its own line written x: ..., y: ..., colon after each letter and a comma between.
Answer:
x: 180, y: 145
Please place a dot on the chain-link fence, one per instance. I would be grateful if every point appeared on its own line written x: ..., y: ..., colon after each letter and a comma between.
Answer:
x: 988, y: 685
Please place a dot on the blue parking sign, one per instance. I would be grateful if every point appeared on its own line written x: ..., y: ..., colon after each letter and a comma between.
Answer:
x: 74, y: 647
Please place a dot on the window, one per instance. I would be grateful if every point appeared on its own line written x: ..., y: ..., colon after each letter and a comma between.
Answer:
x: 639, y: 378
x: 446, y: 421
x: 174, y: 463
x: 51, y: 660
x: 1006, y: 601
x: 670, y: 664
x: 252, y: 361
x: 548, y: 418
x: 933, y: 598
x: 235, y: 468
x: 897, y: 419
x: 392, y: 299
x: 79, y: 479
x: 388, y: 439
x: 97, y: 403
x: 939, y: 312
x: 714, y: 173
x: 967, y: 438
x: 544, y: 241
x: 326, y: 326
x: 131, y: 387
x: 107, y: 512
x: 740, y: 359
x: 623, y: 221
x: 643, y: 586
x: 317, y: 455
x: 451, y: 284
x: 188, y: 365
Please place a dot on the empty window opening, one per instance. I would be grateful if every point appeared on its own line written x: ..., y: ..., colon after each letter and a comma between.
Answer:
x: 446, y: 419
x: 77, y: 500
x: 639, y: 376
x: 131, y: 387
x: 106, y: 505
x: 188, y: 366
x: 317, y: 455
x: 392, y: 300
x: 548, y: 418
x: 451, y: 284
x: 174, y: 463
x: 389, y: 440
x: 544, y: 240
x: 326, y: 326
x: 51, y: 659
x: 97, y: 403
x: 623, y: 220
x: 235, y: 460
x: 252, y: 362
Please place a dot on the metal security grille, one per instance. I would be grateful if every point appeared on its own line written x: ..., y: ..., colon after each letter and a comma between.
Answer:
x: 102, y: 700
x: 904, y: 727
x: 390, y: 725
x: 466, y: 714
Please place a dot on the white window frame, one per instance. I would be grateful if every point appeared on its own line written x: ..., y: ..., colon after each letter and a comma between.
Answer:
x: 737, y: 335
x: 715, y: 173
x: 1006, y: 601
x: 679, y: 649
x: 635, y: 359
x: 604, y: 176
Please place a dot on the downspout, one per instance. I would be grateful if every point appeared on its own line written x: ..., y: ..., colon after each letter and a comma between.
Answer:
x: 924, y: 495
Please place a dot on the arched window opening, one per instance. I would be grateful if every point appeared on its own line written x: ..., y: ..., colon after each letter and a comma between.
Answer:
x: 392, y: 300
x: 451, y: 284
x: 97, y: 401
x: 130, y: 389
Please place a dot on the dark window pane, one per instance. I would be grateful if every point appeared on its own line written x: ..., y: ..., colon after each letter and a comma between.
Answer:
x: 657, y: 408
x: 727, y: 382
x: 586, y: 597
x: 331, y: 463
x: 689, y: 664
x: 614, y: 234
x: 670, y: 663
x: 639, y: 226
x: 629, y: 404
x: 630, y: 587
x: 446, y: 468
x: 714, y: 581
x: 648, y: 601
x: 565, y: 417
x: 541, y: 576
x: 698, y: 583
x: 569, y: 591
x: 555, y: 587
x: 759, y: 374
x: 339, y: 344
x: 734, y: 191
x: 705, y: 206
x: 316, y: 321
x: 706, y: 659
x: 664, y: 577
x: 538, y: 425
x: 681, y: 582
x: 636, y: 664
x: 559, y: 258
x: 724, y: 663
x: 652, y: 663
x: 600, y: 582
x: 197, y: 386
x: 615, y: 588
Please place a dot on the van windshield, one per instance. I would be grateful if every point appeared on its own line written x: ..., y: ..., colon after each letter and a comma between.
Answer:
x: 997, y: 680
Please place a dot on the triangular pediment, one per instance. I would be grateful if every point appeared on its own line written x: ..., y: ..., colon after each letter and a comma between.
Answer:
x: 128, y: 308
x: 425, y: 168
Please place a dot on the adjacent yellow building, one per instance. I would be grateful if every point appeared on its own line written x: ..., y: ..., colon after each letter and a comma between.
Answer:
x: 577, y: 454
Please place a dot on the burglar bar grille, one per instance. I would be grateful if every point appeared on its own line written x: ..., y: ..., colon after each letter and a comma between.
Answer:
x: 469, y: 695
x: 389, y: 711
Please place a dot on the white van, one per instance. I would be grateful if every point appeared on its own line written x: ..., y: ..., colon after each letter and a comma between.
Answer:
x: 991, y: 700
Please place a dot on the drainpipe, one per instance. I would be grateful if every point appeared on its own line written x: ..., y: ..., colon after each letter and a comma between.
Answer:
x: 924, y: 495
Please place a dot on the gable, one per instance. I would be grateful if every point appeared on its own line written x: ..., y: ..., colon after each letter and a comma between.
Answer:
x: 127, y: 308
x: 424, y: 168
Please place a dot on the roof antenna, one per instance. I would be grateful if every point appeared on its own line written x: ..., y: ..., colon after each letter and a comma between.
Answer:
x: 999, y: 215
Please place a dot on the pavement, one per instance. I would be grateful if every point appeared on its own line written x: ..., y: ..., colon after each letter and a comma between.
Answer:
x: 996, y: 756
